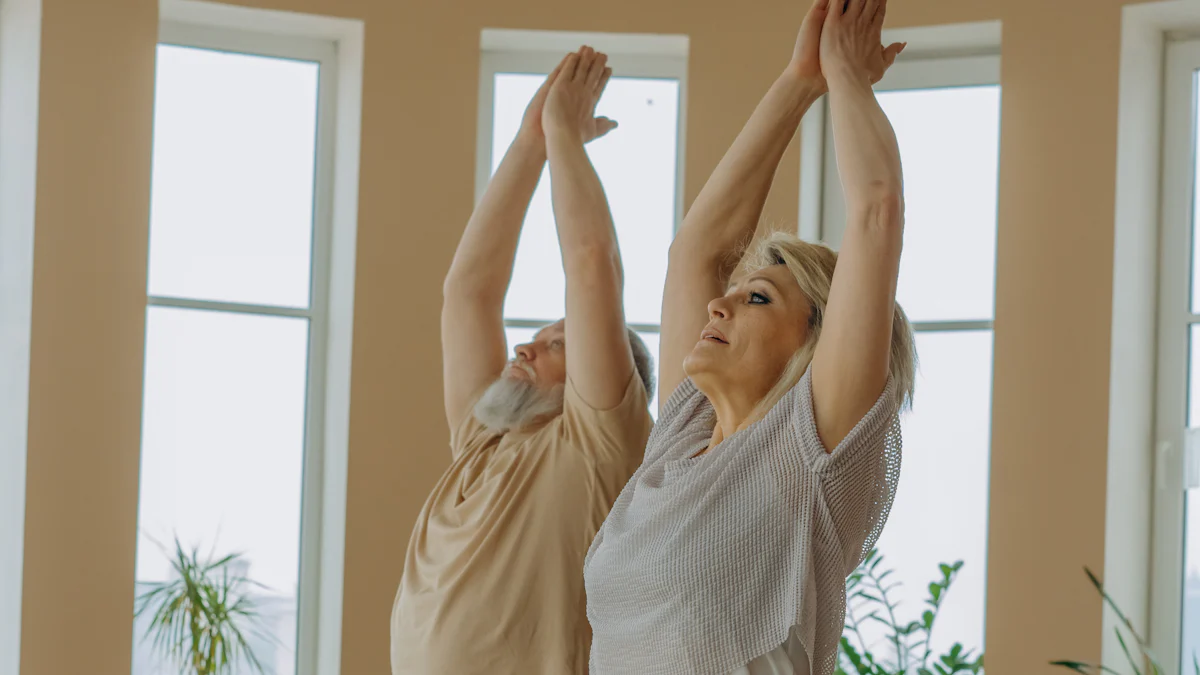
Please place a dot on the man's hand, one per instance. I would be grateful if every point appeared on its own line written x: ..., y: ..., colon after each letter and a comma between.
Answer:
x: 850, y: 41
x: 570, y: 107
x: 531, y: 123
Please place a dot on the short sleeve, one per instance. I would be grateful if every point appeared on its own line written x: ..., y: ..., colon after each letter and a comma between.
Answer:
x: 617, y: 433
x: 866, y: 438
x: 686, y: 418
x: 859, y: 477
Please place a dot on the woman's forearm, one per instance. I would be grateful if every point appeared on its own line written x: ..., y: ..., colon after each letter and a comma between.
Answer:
x: 726, y: 212
x: 868, y: 155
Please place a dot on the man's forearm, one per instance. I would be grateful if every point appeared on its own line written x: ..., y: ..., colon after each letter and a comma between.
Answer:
x: 581, y: 210
x: 483, y: 262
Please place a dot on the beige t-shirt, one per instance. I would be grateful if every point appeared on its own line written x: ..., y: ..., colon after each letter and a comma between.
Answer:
x: 493, y: 578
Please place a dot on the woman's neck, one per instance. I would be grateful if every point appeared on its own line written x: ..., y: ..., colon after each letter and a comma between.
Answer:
x: 733, y: 410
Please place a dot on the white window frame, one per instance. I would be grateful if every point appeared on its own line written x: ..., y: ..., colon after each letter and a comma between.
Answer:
x: 1174, y: 318
x: 337, y: 46
x: 629, y: 55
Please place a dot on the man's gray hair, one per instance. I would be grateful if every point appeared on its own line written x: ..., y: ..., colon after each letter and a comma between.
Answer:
x: 644, y: 362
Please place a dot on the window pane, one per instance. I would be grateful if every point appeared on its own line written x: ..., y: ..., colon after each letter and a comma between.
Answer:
x: 518, y: 336
x: 232, y: 206
x: 636, y: 163
x: 1191, y: 582
x: 1195, y: 210
x: 949, y: 142
x: 222, y: 458
x: 940, y: 512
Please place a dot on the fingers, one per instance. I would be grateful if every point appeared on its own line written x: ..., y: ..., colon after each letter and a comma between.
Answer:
x: 854, y: 9
x: 892, y: 51
x: 604, y: 78
x: 834, y: 12
x: 596, y: 68
x: 870, y: 9
x: 553, y: 76
x: 570, y: 66
x: 881, y: 11
x: 604, y: 125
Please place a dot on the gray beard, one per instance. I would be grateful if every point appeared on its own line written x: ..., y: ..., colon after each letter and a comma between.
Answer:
x: 510, y: 404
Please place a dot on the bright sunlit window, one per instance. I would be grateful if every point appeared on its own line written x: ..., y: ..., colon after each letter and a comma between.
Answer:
x: 946, y: 113
x: 237, y: 286
x: 639, y: 164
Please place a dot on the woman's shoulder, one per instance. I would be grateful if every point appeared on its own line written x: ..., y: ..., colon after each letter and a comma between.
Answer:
x: 686, y: 414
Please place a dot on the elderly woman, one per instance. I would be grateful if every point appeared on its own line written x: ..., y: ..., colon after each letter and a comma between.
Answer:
x: 774, y: 463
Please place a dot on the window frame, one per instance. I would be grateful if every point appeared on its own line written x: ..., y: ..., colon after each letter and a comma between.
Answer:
x: 324, y: 53
x: 1175, y: 317
x: 538, y: 52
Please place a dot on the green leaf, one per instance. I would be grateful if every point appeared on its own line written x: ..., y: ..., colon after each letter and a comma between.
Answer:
x: 200, y: 619
x: 935, y: 591
x: 1124, y: 648
x: 927, y: 619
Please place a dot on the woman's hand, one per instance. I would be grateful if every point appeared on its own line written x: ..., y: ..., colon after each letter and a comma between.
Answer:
x: 851, y: 41
x: 570, y: 108
x: 806, y: 56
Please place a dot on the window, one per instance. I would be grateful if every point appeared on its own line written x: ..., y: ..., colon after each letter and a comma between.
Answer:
x: 1176, y: 574
x: 946, y: 113
x: 640, y: 165
x: 236, y: 322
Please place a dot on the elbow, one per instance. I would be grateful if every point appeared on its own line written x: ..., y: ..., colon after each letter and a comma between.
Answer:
x: 881, y: 208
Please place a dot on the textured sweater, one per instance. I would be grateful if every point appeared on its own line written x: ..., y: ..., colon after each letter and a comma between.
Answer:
x: 706, y: 562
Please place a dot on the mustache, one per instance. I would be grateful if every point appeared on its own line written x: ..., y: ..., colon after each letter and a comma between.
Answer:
x: 523, y: 365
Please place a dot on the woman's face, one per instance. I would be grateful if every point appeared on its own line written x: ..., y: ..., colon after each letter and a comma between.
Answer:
x: 752, y: 333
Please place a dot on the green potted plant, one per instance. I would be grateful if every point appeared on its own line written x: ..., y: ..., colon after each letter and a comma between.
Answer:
x: 200, y: 619
x: 1145, y: 664
x: 869, y: 600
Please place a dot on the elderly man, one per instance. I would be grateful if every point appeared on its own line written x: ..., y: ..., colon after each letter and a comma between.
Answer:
x: 540, y: 445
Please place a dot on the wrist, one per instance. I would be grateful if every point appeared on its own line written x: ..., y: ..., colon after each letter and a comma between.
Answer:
x: 530, y: 143
x: 807, y: 84
x: 801, y: 90
x: 841, y: 75
x: 560, y: 136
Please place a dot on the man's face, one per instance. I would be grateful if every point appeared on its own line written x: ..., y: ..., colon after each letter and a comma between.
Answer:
x: 542, y: 362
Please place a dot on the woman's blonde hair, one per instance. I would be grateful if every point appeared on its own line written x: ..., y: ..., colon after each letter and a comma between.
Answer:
x: 812, y: 266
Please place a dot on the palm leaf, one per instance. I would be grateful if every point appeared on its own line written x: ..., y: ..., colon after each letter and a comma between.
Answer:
x: 200, y: 620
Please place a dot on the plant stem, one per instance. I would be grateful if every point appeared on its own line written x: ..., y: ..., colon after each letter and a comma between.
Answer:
x: 901, y: 652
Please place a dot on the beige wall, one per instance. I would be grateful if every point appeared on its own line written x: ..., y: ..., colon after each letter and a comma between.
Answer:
x: 1058, y: 150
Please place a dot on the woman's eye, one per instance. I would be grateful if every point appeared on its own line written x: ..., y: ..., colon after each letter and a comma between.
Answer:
x: 759, y: 299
